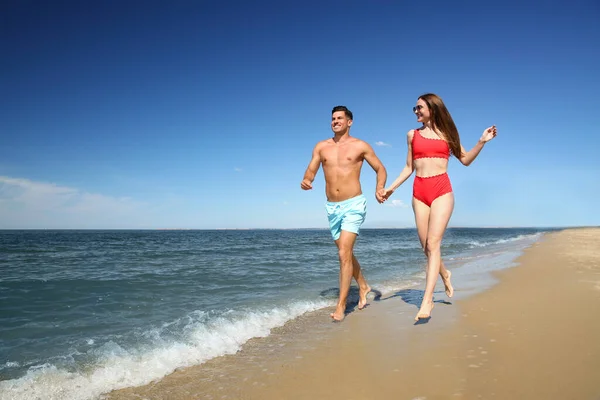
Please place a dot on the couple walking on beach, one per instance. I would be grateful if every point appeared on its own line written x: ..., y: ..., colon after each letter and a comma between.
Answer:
x: 429, y: 149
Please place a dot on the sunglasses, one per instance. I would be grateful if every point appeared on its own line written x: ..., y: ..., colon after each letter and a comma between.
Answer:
x: 418, y: 107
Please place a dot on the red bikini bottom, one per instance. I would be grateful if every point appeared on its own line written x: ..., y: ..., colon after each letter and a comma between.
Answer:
x: 430, y: 188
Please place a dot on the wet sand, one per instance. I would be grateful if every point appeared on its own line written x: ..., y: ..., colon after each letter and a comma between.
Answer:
x: 533, y: 335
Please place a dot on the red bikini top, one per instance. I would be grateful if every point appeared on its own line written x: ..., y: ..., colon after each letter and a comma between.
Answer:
x: 423, y: 147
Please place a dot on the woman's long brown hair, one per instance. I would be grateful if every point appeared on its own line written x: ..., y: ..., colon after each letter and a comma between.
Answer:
x: 443, y: 122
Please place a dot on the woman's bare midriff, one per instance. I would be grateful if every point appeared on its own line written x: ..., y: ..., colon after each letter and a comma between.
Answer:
x: 425, y: 167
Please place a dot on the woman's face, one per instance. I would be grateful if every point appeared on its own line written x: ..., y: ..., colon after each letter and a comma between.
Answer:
x: 422, y: 111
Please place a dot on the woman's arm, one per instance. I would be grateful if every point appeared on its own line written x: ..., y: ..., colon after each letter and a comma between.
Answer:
x: 467, y: 157
x: 406, y: 171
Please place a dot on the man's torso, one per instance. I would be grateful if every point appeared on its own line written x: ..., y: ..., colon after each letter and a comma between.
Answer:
x: 342, y: 163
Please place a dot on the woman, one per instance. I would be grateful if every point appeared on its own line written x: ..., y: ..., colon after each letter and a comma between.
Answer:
x: 429, y: 149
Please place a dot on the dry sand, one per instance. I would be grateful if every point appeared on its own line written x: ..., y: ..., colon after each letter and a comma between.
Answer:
x: 534, y: 335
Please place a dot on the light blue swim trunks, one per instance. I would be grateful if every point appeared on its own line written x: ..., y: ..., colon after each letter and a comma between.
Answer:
x: 347, y: 215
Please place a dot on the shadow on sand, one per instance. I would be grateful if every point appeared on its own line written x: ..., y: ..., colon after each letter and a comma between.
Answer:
x: 414, y: 298
x: 352, y: 302
x: 409, y: 296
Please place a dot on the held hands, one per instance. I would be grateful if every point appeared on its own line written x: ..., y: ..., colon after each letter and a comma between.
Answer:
x: 383, y: 194
x: 387, y: 193
x: 380, y: 195
x: 488, y: 134
x: 306, y: 184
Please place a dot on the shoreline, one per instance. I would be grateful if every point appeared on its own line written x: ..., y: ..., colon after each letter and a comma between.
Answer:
x: 475, y: 347
x: 394, y: 264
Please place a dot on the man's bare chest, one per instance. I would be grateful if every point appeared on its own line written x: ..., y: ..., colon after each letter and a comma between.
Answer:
x: 341, y: 156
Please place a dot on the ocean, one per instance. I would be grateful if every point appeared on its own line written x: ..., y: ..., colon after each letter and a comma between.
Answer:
x: 86, y: 312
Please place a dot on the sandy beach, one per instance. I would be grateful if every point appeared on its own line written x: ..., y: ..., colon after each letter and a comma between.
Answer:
x: 532, y: 335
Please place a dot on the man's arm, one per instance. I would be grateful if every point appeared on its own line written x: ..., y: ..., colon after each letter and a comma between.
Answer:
x: 313, y: 168
x: 375, y: 163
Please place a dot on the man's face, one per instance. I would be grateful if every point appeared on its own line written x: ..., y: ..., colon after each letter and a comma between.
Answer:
x: 339, y: 122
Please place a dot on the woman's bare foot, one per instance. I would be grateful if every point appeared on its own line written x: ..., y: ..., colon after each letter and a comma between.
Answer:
x: 425, y: 311
x: 448, y: 284
x: 362, y: 297
x: 339, y: 314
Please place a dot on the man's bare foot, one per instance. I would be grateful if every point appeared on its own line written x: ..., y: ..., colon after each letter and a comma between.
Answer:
x: 448, y: 284
x: 339, y: 314
x: 425, y: 311
x: 362, y: 297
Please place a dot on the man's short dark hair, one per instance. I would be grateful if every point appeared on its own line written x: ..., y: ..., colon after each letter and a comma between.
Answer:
x: 344, y: 109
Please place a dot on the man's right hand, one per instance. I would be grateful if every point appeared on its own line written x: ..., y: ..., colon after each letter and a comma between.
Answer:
x: 306, y: 184
x: 380, y: 195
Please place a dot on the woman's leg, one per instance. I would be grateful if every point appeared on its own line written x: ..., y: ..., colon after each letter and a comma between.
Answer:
x: 439, y: 216
x: 422, y: 211
x: 446, y: 274
x: 422, y: 222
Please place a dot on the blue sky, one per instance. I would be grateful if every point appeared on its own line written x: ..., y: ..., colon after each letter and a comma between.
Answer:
x: 204, y: 114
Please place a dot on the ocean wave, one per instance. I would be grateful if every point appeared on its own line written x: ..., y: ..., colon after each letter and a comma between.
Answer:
x: 532, y: 237
x: 117, y: 366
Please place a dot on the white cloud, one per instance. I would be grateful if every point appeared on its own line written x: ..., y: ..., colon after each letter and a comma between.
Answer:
x: 236, y: 169
x: 383, y: 144
x: 30, y: 204
x: 396, y: 203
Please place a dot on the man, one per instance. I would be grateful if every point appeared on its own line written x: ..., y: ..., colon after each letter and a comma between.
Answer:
x: 342, y: 158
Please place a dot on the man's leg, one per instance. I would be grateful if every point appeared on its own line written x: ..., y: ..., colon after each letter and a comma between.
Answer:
x: 363, y: 286
x: 345, y: 244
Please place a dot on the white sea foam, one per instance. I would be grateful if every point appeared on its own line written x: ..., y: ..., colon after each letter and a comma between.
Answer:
x: 118, y: 367
x: 10, y: 364
x: 528, y: 238
x: 391, y: 287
